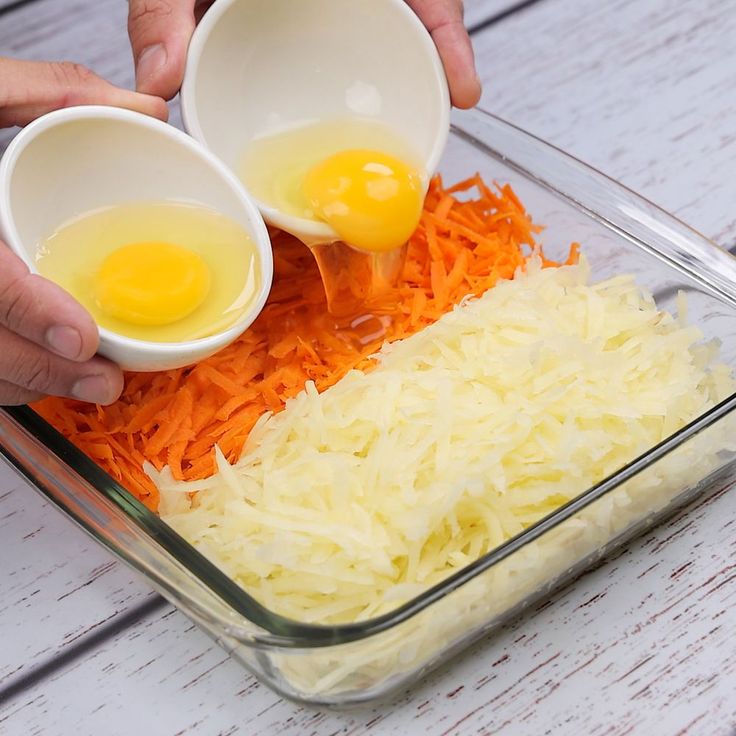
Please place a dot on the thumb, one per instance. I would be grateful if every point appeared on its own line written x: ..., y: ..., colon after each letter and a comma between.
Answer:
x: 159, y: 32
x: 29, y: 89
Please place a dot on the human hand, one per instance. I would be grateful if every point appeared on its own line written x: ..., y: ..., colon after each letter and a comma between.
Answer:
x: 48, y: 341
x: 29, y: 89
x: 160, y: 30
x: 444, y: 20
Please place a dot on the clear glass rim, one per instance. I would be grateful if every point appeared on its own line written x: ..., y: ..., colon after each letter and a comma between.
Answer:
x: 281, y: 631
x: 289, y: 632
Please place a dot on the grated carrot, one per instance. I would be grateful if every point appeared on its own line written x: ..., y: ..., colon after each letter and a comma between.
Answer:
x: 463, y: 246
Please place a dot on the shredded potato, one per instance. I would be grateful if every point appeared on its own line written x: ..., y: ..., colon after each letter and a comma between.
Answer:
x: 351, y: 501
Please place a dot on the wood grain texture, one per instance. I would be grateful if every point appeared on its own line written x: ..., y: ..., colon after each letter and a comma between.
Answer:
x: 643, y: 644
x: 645, y: 91
x: 477, y: 11
x: 8, y: 5
x: 91, y: 33
x: 58, y: 585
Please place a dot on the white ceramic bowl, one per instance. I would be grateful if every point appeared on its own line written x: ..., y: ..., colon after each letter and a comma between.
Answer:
x: 79, y: 159
x: 256, y: 66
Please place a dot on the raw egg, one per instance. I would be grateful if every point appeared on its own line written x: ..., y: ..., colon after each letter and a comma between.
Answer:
x: 155, y: 271
x: 358, y: 176
x: 275, y: 167
x: 151, y: 283
x: 372, y: 200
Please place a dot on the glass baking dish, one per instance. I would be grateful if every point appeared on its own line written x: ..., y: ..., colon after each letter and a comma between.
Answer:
x: 619, y: 233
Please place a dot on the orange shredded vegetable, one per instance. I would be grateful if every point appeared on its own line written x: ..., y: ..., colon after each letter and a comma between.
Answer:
x: 463, y: 246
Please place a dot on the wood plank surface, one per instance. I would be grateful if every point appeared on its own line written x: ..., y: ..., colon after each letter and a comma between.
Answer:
x: 58, y: 585
x: 91, y: 33
x: 645, y: 91
x: 478, y: 11
x: 643, y: 644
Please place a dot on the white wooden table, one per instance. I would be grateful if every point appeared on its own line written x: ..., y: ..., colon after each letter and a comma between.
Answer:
x: 646, y: 91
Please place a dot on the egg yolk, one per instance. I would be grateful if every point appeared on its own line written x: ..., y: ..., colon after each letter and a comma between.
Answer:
x: 151, y: 283
x: 371, y: 199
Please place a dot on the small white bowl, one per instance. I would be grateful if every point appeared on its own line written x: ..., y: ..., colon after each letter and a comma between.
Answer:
x: 72, y: 161
x: 258, y: 66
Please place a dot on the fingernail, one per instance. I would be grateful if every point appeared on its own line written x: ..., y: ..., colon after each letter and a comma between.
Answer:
x: 66, y: 341
x: 95, y: 389
x: 149, y: 62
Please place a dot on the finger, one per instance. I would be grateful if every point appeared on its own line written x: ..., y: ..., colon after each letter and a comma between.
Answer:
x: 444, y: 20
x: 29, y: 89
x: 12, y: 395
x: 29, y: 366
x: 160, y: 31
x: 42, y: 312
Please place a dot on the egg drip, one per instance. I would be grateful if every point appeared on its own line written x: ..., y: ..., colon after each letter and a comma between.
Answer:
x: 361, y: 179
x: 373, y: 201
